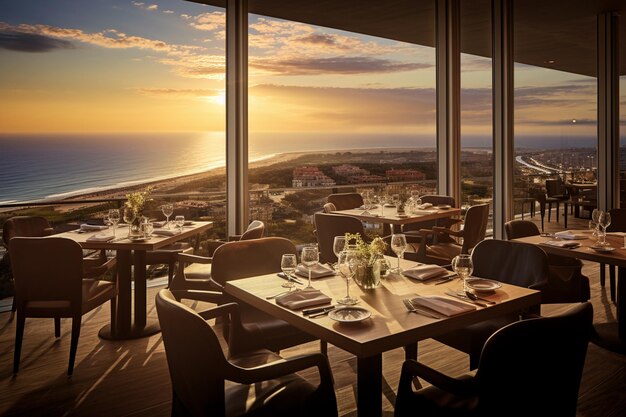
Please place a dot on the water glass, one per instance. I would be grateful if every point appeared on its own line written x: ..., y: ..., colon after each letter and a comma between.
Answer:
x: 147, y: 227
x: 348, y: 264
x: 339, y: 244
x: 310, y: 258
x: 179, y: 221
x: 398, y: 246
x: 129, y: 217
x: 114, y: 218
x: 288, y: 264
x: 463, y: 266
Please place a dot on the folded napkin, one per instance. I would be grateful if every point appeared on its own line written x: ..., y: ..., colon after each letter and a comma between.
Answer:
x: 425, y: 272
x: 159, y: 224
x: 561, y: 244
x: 166, y: 232
x: 421, y: 211
x: 318, y: 271
x: 100, y: 237
x: 442, y: 305
x: 570, y: 235
x: 424, y: 206
x: 298, y: 299
x: 89, y: 227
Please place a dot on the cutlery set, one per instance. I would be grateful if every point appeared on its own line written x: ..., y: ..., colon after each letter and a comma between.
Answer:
x: 471, y: 298
x: 318, y: 312
x: 412, y: 309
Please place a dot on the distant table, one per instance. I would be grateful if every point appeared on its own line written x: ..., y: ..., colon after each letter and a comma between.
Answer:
x: 389, y: 327
x: 612, y: 335
x: 129, y: 254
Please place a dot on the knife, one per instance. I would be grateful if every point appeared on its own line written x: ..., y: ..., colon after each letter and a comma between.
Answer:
x: 293, y: 279
x: 317, y: 310
x: 466, y: 299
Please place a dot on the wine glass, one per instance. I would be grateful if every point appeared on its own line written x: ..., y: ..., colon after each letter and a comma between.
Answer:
x: 310, y: 258
x: 114, y: 218
x: 595, y: 218
x: 129, y: 217
x: 605, y: 221
x: 288, y: 264
x: 339, y: 244
x: 463, y: 266
x: 179, y: 221
x: 347, y: 268
x: 167, y: 210
x: 593, y: 228
x: 398, y: 246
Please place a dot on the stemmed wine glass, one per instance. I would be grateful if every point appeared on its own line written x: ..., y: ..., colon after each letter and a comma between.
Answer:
x: 288, y: 264
x: 129, y: 217
x: 339, y: 244
x: 167, y: 210
x: 179, y: 221
x: 114, y: 219
x: 310, y: 258
x: 348, y: 264
x: 398, y: 246
x: 605, y: 221
x: 463, y: 266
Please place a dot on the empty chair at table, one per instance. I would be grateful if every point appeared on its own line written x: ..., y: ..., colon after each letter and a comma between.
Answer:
x: 528, y: 368
x: 48, y: 273
x: 411, y: 230
x: 556, y: 193
x: 206, y: 382
x: 345, y: 201
x: 327, y: 226
x: 566, y: 283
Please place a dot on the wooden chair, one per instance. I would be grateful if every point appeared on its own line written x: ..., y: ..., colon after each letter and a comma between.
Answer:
x: 531, y: 367
x: 255, y: 230
x: 556, y: 193
x: 566, y: 283
x: 48, y: 273
x: 345, y: 201
x: 329, y: 208
x: 206, y: 382
x: 442, y: 251
x: 515, y: 263
x: 411, y: 230
x: 243, y: 259
x: 327, y: 226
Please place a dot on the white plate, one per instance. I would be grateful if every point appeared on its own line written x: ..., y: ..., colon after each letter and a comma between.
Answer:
x: 482, y: 284
x: 603, y: 248
x: 402, y: 216
x: 349, y: 314
x: 444, y: 206
x: 139, y: 239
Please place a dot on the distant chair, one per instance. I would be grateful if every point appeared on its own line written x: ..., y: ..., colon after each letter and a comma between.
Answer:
x: 48, y: 273
x: 566, y: 283
x: 556, y: 193
x: 528, y: 368
x: 345, y: 201
x: 411, y: 230
x: 205, y: 382
x: 329, y: 208
x: 327, y: 226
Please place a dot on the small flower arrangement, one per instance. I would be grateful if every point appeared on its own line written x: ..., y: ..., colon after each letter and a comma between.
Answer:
x: 137, y: 200
x: 367, y: 252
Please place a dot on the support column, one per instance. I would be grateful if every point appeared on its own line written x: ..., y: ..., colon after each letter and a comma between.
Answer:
x: 608, y: 111
x: 448, y: 98
x: 237, y: 115
x: 503, y: 89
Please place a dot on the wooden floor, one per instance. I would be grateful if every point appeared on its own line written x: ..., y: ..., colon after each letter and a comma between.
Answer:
x: 130, y: 378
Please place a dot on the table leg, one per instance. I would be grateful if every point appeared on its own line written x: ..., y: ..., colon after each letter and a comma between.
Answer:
x: 370, y: 386
x: 612, y: 336
x: 124, y: 264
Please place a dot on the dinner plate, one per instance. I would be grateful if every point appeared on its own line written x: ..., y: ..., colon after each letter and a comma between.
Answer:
x: 349, y: 314
x: 444, y: 206
x: 402, y: 216
x: 139, y: 239
x: 189, y: 223
x: 482, y: 284
x: 603, y: 248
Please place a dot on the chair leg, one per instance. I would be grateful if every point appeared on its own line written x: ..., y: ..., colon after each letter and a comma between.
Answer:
x: 549, y: 211
x: 113, y: 316
x: 74, y: 344
x: 602, y: 275
x: 612, y: 282
x: 170, y: 273
x: 324, y: 348
x: 57, y: 327
x: 19, y: 336
x: 557, y: 212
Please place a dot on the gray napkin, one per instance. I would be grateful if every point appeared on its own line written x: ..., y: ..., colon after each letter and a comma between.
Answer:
x: 298, y: 299
x: 318, y: 271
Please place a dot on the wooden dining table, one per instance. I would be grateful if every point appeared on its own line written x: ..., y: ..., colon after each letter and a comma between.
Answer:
x: 610, y: 335
x: 131, y: 253
x: 390, y: 325
x: 389, y: 215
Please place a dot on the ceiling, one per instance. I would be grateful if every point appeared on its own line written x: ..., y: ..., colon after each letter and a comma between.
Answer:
x: 557, y: 34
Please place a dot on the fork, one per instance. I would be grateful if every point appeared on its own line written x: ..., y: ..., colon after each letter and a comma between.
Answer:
x: 412, y: 309
x: 276, y: 295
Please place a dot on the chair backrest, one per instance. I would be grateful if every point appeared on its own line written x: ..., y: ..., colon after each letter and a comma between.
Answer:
x: 515, y: 263
x: 618, y: 220
x: 327, y: 226
x: 535, y: 366
x: 555, y: 187
x: 329, y: 207
x: 516, y: 229
x: 247, y: 258
x: 194, y: 356
x: 345, y: 201
x: 25, y: 226
x: 47, y: 269
x: 255, y: 230
x: 474, y: 226
x: 436, y: 200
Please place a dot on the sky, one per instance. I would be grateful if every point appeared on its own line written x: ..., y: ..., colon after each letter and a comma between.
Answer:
x: 159, y: 66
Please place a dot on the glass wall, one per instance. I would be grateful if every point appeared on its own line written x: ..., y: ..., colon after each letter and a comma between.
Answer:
x: 334, y: 111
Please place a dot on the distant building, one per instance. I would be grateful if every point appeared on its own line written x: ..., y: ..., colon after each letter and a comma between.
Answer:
x: 311, y: 177
x: 347, y: 171
x: 364, y: 179
x: 404, y: 175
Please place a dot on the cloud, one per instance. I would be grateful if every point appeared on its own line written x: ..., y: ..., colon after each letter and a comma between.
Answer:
x: 144, y: 6
x: 168, y: 11
x: 212, y: 21
x: 333, y: 65
x: 181, y: 92
x: 30, y: 42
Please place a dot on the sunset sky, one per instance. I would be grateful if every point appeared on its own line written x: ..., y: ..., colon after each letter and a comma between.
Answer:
x: 135, y: 66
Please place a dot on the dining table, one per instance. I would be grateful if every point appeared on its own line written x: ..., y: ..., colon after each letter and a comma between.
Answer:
x: 131, y: 253
x: 609, y: 335
x: 389, y: 326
